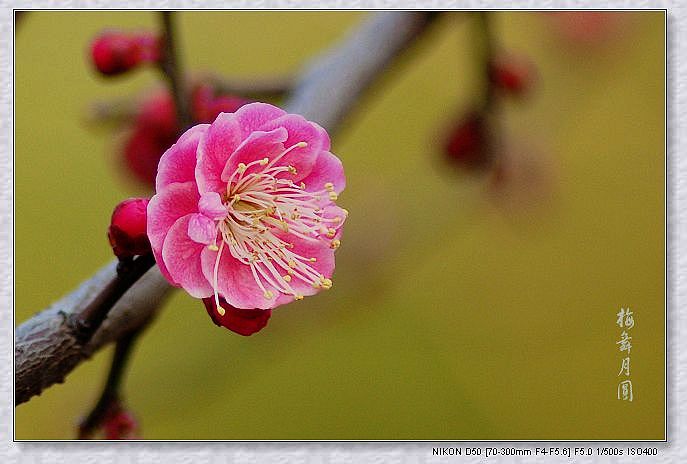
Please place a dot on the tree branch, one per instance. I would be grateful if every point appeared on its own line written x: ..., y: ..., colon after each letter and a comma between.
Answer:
x: 332, y: 85
x: 46, y: 349
x: 254, y: 87
x: 171, y: 68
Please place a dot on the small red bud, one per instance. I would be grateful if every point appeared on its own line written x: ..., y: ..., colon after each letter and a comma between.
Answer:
x: 467, y: 143
x: 512, y: 74
x: 206, y: 104
x: 127, y: 231
x: 120, y: 424
x: 115, y: 52
x: 155, y: 127
x: 242, y: 321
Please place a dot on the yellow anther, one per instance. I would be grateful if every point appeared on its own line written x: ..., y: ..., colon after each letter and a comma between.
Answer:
x: 290, y: 272
x: 268, y: 294
x: 335, y: 244
x: 287, y: 278
x: 241, y: 168
x: 331, y: 232
x: 213, y: 247
x: 236, y: 197
x: 283, y: 226
x: 292, y: 170
x: 326, y: 284
x: 333, y: 196
x: 220, y: 310
x: 298, y: 296
x: 292, y: 263
x: 312, y: 260
x: 301, y: 144
x: 264, y: 161
x: 329, y: 186
x: 302, y: 185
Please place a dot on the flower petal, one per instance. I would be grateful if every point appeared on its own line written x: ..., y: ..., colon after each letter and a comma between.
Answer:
x: 300, y: 130
x: 182, y: 258
x: 168, y: 205
x: 242, y: 321
x: 210, y: 204
x: 258, y: 145
x: 327, y: 169
x: 235, y: 281
x: 253, y: 116
x: 202, y: 229
x: 323, y: 264
x: 178, y: 163
x: 219, y: 142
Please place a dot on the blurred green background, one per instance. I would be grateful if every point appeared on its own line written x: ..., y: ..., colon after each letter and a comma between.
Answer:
x: 460, y: 309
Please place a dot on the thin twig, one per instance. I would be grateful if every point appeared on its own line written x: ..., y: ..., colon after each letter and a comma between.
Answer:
x: 45, y: 347
x: 490, y: 107
x: 111, y: 391
x: 486, y: 59
x: 172, y: 68
x: 255, y: 87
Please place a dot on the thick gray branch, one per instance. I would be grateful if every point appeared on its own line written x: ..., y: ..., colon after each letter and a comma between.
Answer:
x: 45, y: 347
x: 333, y: 83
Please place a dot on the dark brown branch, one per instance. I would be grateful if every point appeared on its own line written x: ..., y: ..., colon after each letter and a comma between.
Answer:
x: 171, y: 67
x: 46, y: 349
x: 110, y: 395
x: 486, y: 59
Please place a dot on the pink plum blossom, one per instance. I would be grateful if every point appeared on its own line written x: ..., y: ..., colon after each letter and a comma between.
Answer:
x: 245, y: 211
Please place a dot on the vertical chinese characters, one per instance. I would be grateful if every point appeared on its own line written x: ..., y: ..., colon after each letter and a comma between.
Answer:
x: 625, y: 320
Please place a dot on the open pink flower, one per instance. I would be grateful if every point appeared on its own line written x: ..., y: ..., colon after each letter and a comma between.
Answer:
x: 245, y: 209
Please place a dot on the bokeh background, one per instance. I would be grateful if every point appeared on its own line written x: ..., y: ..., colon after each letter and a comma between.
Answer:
x: 462, y: 308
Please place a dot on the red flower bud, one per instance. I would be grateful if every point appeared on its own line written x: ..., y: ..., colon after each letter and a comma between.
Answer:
x: 115, y: 52
x: 242, y: 321
x: 127, y: 231
x: 467, y: 143
x: 155, y: 127
x: 120, y: 424
x: 206, y: 104
x: 511, y: 74
x: 155, y: 130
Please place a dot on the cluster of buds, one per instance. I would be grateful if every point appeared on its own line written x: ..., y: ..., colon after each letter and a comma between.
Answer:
x: 155, y: 127
x: 116, y: 52
x: 471, y: 141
